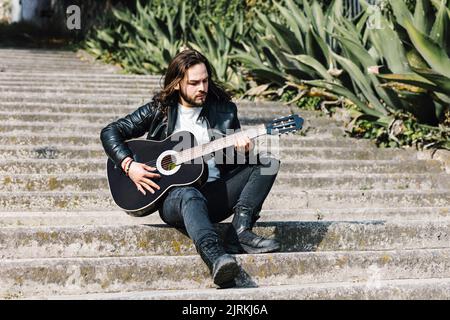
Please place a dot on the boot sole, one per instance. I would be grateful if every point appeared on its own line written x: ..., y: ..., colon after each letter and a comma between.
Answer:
x: 250, y: 250
x: 226, y: 273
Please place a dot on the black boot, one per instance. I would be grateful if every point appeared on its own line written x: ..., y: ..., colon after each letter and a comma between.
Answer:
x: 223, y: 267
x: 242, y: 224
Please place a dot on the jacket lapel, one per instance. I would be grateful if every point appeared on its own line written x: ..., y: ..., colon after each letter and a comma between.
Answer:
x: 171, y: 119
x: 209, y: 112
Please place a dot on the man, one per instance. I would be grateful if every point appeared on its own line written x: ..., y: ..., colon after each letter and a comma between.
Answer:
x: 190, y: 100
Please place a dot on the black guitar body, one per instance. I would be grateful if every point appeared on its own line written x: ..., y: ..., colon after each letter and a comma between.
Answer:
x: 123, y: 189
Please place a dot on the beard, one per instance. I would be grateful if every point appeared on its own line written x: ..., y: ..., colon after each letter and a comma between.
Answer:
x: 192, y: 100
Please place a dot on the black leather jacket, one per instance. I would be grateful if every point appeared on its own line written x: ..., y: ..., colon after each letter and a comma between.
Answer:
x: 149, y: 118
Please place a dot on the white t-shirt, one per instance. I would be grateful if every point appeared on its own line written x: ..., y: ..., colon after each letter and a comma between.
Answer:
x: 187, y: 120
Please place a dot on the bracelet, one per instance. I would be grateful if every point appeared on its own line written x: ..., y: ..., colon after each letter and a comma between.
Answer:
x: 128, y: 167
x: 126, y: 163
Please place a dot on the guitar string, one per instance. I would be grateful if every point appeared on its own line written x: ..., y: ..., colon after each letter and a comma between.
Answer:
x: 163, y: 163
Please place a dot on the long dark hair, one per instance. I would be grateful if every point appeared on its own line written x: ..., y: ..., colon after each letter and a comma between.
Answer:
x: 176, y: 71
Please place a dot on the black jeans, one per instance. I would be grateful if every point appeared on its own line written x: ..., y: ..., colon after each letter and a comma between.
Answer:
x: 196, y: 209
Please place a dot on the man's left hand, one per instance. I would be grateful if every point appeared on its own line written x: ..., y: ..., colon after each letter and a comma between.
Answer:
x: 243, y: 144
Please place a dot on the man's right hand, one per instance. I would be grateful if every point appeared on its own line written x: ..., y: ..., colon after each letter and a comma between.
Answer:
x: 141, y: 175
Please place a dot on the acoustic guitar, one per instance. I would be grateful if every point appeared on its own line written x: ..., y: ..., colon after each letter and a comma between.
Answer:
x: 180, y: 162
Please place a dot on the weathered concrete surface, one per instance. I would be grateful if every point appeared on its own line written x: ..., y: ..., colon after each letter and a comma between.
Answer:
x: 93, y: 140
x: 120, y: 218
x: 376, y: 289
x: 251, y: 118
x: 277, y: 199
x: 442, y: 155
x: 80, y: 166
x: 144, y: 240
x: 288, y: 153
x: 310, y: 181
x: 49, y: 106
x: 28, y: 277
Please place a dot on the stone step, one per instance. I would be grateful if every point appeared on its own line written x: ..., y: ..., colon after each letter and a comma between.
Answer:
x: 72, y: 98
x: 30, y: 63
x: 281, y: 198
x: 79, y: 218
x: 70, y: 85
x: 331, y: 131
x: 32, y: 107
x: 63, y: 276
x: 74, y: 128
x: 285, y: 153
x: 88, y: 76
x: 35, y: 52
x: 93, y: 140
x: 361, y: 166
x: 318, y: 153
x: 37, y: 57
x: 266, y: 106
x: 147, y: 240
x: 39, y: 68
x: 103, y: 118
x: 80, y: 166
x: 74, y: 90
x: 50, y: 106
x: 270, y: 107
x: 306, y: 181
x: 73, y: 67
x: 246, y: 117
x: 76, y: 81
x: 119, y: 218
x: 373, y: 289
x: 117, y: 99
x: 110, y: 106
x: 370, y: 181
x: 293, y: 198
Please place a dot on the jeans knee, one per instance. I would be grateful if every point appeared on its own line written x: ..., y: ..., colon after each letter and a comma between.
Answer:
x: 179, y: 199
x: 189, y: 193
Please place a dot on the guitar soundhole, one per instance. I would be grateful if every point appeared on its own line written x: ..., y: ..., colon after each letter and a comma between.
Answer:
x: 168, y: 163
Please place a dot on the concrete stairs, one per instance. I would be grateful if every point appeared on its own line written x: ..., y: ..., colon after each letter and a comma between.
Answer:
x: 354, y: 221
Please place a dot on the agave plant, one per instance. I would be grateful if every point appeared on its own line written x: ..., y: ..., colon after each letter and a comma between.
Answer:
x: 217, y: 44
x: 143, y: 42
x: 428, y: 36
x: 293, y: 49
x: 320, y: 48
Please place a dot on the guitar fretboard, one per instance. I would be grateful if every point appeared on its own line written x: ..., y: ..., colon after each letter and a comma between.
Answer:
x: 218, y: 144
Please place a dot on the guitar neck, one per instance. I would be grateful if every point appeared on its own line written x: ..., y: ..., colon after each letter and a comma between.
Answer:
x: 218, y: 144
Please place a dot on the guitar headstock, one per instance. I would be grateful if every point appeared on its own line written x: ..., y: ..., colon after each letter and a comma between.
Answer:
x: 282, y: 125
